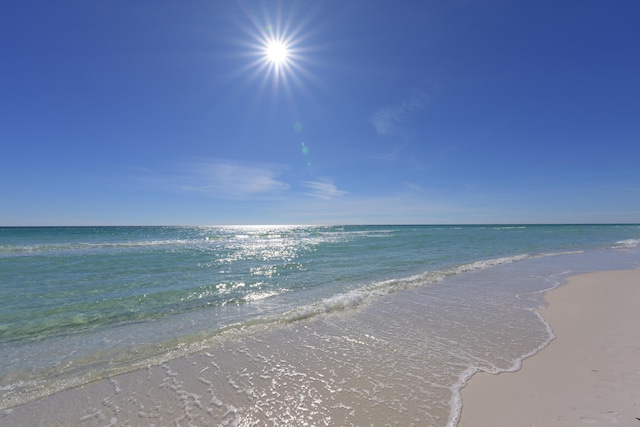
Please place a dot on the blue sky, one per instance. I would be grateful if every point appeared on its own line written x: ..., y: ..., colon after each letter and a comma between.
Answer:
x: 167, y: 112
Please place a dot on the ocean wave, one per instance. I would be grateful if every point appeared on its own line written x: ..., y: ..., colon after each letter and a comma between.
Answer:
x: 481, y: 265
x: 548, y: 254
x: 510, y: 227
x: 367, y: 294
x: 257, y: 296
x: 628, y: 243
x: 362, y: 232
x: 79, y: 246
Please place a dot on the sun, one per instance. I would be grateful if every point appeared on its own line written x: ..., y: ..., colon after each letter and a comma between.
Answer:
x: 277, y: 52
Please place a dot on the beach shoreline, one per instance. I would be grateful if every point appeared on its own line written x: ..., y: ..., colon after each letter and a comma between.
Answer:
x: 326, y: 370
x: 589, y: 374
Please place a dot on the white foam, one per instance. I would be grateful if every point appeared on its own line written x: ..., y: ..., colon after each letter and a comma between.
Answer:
x: 256, y: 296
x: 481, y: 265
x: 628, y: 243
x: 548, y: 254
x: 81, y: 246
x: 456, y: 397
x: 367, y: 294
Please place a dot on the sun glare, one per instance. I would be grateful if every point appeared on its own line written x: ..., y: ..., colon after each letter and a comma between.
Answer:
x: 277, y: 52
x: 277, y: 46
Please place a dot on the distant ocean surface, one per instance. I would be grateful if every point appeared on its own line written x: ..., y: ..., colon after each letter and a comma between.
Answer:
x: 83, y: 303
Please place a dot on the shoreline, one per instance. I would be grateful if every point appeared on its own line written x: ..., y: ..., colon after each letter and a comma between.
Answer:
x: 590, y: 372
x: 326, y: 371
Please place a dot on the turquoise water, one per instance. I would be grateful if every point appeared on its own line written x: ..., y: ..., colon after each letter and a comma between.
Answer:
x: 82, y: 303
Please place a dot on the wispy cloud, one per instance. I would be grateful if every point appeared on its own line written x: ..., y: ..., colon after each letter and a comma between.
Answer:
x: 322, y: 189
x: 232, y: 178
x: 390, y: 120
x: 413, y: 187
x: 221, y: 178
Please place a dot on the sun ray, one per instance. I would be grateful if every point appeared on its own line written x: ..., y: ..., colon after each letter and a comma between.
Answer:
x: 277, y: 44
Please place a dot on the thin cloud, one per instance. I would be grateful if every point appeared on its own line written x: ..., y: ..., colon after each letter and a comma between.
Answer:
x: 220, y: 178
x: 413, y: 187
x: 323, y: 189
x: 390, y: 120
x: 232, y: 178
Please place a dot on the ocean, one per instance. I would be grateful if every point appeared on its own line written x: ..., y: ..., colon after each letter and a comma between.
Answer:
x: 291, y: 325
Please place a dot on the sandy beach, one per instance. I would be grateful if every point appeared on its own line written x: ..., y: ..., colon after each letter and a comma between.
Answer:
x: 589, y: 375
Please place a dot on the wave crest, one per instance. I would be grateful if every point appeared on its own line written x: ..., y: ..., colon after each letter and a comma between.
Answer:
x: 367, y: 294
x: 628, y: 243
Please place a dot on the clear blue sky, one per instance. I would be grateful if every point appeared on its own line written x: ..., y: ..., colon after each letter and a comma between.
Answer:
x: 166, y: 112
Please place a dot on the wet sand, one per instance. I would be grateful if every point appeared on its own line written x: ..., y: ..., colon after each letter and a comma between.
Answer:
x: 589, y: 375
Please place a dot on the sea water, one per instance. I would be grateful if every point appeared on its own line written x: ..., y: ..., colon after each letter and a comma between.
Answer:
x: 375, y: 324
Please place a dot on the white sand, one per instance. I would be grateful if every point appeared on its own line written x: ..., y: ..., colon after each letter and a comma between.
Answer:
x: 589, y: 375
